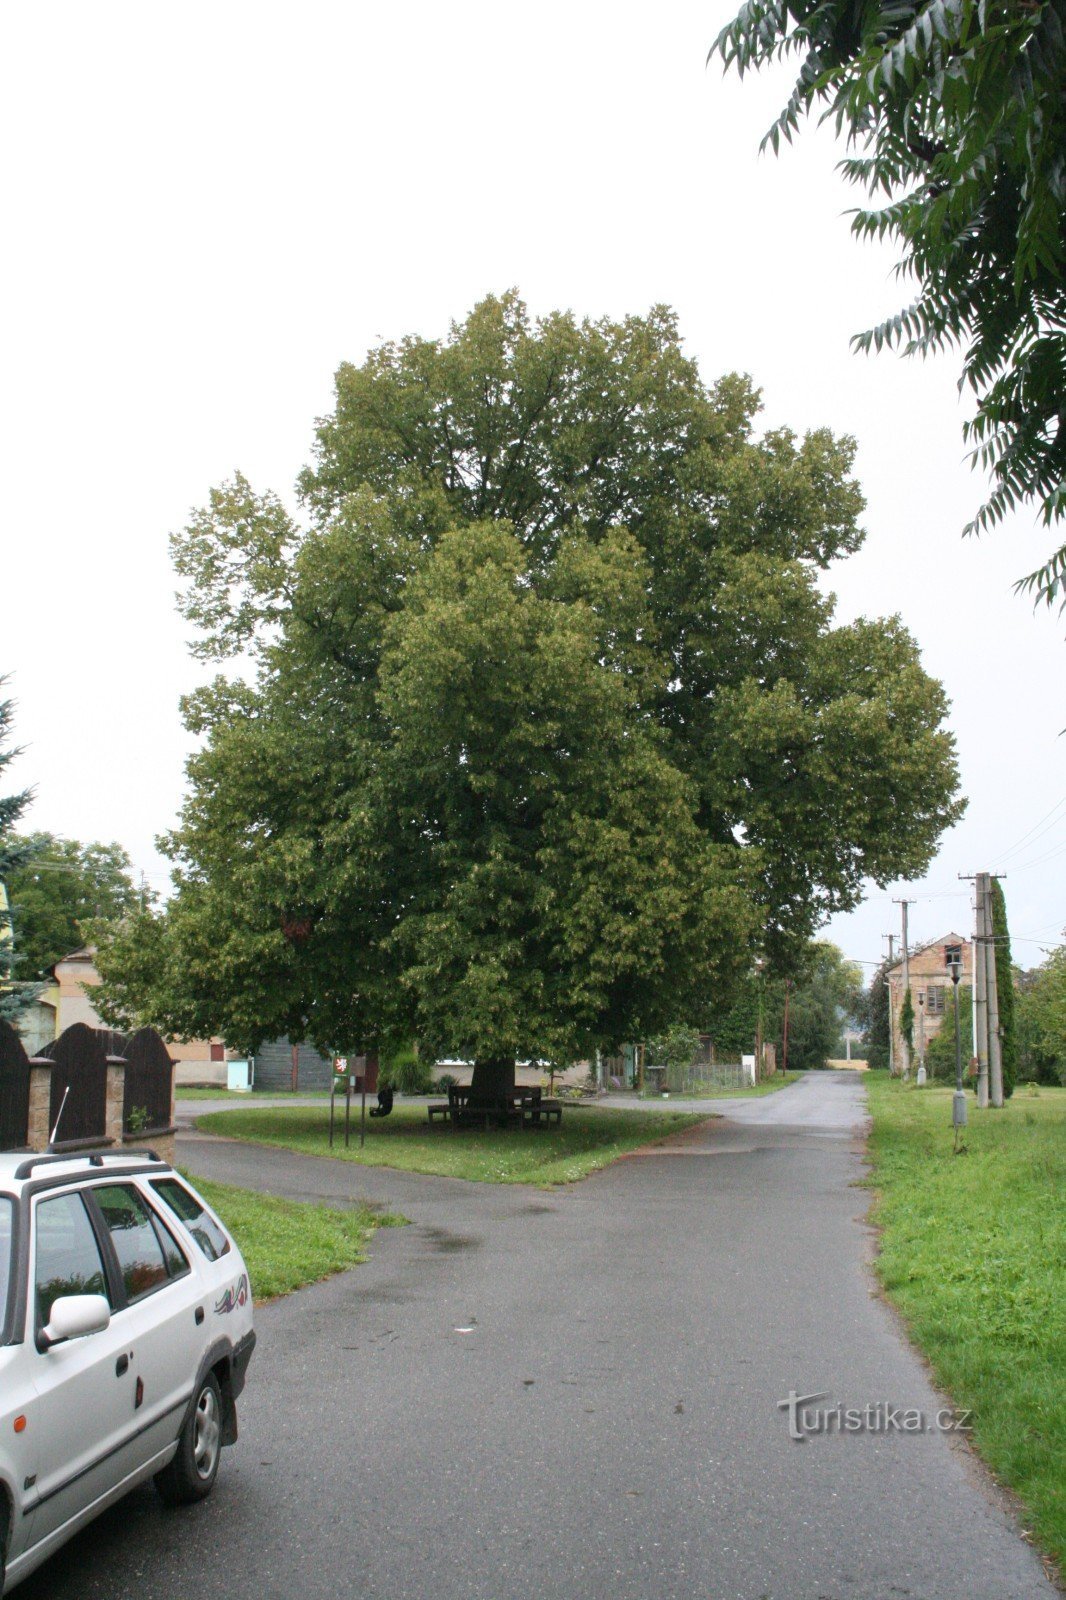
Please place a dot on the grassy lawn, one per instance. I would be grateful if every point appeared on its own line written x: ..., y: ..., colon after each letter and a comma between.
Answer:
x: 187, y: 1091
x: 286, y: 1243
x: 768, y: 1086
x: 587, y: 1139
x: 973, y: 1253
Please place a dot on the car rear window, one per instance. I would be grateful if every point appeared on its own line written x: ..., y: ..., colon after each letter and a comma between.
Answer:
x: 7, y: 1213
x: 188, y: 1209
x: 141, y: 1260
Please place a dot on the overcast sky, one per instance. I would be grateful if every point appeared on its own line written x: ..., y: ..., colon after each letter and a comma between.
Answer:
x: 207, y: 208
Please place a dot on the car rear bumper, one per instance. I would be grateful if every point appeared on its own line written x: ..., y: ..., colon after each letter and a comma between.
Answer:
x: 242, y: 1354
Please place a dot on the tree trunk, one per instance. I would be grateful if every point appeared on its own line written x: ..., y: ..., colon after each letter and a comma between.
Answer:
x: 492, y: 1077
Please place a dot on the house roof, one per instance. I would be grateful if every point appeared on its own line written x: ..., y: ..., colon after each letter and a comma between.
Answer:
x: 931, y: 944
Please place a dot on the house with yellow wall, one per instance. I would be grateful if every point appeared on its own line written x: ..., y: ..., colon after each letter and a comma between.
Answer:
x: 930, y: 986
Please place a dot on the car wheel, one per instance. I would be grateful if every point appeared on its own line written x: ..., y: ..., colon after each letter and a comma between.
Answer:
x: 192, y: 1473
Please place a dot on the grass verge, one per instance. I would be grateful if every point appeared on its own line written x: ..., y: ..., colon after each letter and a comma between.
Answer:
x: 287, y: 1243
x: 587, y: 1139
x: 973, y: 1253
x: 184, y: 1091
x: 767, y: 1086
x: 189, y: 1091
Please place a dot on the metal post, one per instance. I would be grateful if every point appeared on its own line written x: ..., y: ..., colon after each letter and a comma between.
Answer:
x: 332, y: 1092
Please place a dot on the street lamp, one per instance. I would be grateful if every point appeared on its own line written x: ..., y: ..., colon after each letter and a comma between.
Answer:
x: 921, y: 1037
x: 953, y: 962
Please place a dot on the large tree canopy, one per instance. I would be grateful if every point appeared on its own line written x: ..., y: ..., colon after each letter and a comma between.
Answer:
x: 550, y: 728
x: 958, y: 115
x: 60, y: 891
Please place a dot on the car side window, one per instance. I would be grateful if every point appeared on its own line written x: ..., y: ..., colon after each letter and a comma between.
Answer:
x: 200, y: 1223
x: 140, y: 1254
x: 67, y: 1257
x: 7, y: 1212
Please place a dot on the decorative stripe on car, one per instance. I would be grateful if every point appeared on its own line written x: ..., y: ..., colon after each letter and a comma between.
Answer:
x: 236, y: 1295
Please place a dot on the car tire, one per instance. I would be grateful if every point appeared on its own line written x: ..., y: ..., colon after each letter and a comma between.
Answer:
x: 192, y: 1473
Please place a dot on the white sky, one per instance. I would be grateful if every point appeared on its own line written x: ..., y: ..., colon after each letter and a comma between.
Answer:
x: 206, y: 208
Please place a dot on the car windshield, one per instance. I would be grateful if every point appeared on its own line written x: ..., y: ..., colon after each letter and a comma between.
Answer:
x: 7, y: 1212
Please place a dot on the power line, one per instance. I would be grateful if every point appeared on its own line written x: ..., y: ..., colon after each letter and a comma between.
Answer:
x: 1052, y: 855
x: 1027, y: 837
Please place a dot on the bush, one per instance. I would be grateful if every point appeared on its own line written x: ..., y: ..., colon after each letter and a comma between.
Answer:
x: 406, y: 1072
x: 675, y: 1050
x: 447, y: 1080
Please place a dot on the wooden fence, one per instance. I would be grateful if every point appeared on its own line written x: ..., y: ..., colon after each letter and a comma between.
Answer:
x: 77, y: 1107
x: 148, y: 1094
x: 14, y: 1090
x: 102, y: 1088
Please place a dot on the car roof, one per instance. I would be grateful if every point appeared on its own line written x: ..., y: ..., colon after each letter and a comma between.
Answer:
x: 19, y: 1167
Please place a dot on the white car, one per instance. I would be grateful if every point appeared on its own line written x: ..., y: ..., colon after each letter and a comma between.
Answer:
x: 127, y: 1332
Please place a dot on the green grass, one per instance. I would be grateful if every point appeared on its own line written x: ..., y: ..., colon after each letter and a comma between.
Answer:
x: 285, y: 1243
x: 588, y: 1138
x: 190, y: 1092
x: 187, y: 1091
x: 767, y: 1086
x: 973, y: 1253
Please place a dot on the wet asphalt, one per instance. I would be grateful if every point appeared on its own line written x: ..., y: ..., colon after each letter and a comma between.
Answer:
x: 535, y: 1394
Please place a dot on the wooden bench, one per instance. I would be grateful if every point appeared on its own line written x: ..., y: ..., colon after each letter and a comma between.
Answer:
x: 537, y: 1110
x: 525, y: 1107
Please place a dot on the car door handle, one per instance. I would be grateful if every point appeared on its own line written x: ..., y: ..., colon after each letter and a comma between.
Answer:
x: 122, y: 1366
x: 199, y: 1315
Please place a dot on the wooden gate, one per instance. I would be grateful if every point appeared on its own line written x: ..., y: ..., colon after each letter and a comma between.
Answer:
x: 149, y: 1082
x: 14, y: 1090
x: 80, y: 1057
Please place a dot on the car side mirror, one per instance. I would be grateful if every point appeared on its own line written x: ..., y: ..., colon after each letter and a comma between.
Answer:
x: 75, y: 1316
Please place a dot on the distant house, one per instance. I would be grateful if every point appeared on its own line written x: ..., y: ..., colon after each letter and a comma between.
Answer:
x: 930, y: 985
x: 70, y: 998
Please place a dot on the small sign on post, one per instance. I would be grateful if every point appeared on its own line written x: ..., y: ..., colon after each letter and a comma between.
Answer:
x: 340, y: 1082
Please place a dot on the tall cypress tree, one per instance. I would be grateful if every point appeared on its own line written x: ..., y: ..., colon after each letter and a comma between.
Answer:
x: 1004, y: 988
x: 877, y: 1019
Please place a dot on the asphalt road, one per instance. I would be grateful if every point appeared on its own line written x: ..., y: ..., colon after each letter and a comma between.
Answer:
x: 576, y: 1394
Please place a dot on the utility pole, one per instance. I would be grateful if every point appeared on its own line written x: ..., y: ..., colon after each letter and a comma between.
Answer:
x: 905, y: 1053
x: 995, y: 1037
x: 891, y: 937
x: 988, y: 1039
x: 980, y: 989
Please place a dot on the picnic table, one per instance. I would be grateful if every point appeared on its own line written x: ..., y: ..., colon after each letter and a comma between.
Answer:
x: 524, y: 1106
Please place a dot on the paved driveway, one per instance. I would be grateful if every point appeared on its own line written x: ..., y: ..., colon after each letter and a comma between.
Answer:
x: 576, y: 1395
